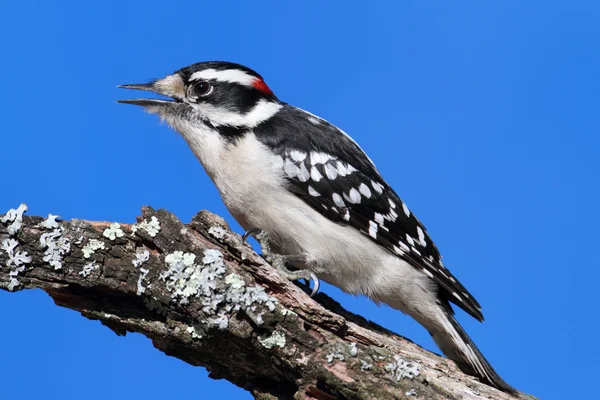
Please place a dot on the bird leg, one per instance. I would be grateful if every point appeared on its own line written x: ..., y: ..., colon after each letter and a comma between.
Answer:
x: 279, y: 261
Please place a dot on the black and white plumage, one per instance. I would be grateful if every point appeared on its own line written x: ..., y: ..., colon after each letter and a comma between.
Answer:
x: 311, y: 188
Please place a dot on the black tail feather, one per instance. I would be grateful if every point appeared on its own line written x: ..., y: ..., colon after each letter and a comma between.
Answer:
x: 459, y: 347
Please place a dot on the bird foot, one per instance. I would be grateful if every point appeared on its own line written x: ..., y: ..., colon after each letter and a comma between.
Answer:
x: 279, y: 261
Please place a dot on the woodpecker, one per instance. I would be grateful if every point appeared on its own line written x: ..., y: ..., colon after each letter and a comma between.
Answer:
x: 314, y: 199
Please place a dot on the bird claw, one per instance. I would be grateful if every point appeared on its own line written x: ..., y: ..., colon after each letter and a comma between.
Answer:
x: 278, y: 261
x: 252, y: 232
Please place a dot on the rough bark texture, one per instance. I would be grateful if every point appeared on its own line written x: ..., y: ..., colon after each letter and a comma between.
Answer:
x: 203, y: 296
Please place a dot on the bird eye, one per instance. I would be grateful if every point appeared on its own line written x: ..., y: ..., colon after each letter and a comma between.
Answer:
x: 202, y: 89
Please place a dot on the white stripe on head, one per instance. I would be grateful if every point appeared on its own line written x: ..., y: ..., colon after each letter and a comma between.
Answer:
x: 218, y: 116
x: 226, y: 75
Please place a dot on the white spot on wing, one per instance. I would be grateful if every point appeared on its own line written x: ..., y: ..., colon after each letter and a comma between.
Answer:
x: 313, y: 192
x: 347, y: 215
x: 398, y: 250
x: 330, y: 171
x: 379, y: 218
x: 341, y: 169
x: 297, y: 155
x: 421, y: 234
x: 377, y: 186
x: 354, y: 196
x: 303, y: 175
x: 373, y: 229
x: 403, y: 246
x: 410, y: 240
x: 415, y: 250
x: 337, y: 199
x: 315, y: 174
x: 316, y: 158
x: 314, y: 121
x: 406, y: 210
x: 364, y: 190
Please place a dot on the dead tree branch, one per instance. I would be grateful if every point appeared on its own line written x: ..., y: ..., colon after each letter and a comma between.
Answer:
x: 203, y: 296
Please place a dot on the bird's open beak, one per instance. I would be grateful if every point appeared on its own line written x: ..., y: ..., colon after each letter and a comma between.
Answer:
x: 164, y: 87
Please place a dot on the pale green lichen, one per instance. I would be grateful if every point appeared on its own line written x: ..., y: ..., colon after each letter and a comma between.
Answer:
x: 276, y: 339
x: 352, y: 349
x: 217, y: 232
x: 56, y: 247
x: 15, y: 261
x: 401, y: 368
x: 50, y: 222
x: 365, y: 366
x: 152, y: 226
x: 141, y: 258
x: 92, y: 246
x: 88, y: 269
x: 15, y: 217
x: 335, y: 355
x: 235, y: 281
x: 285, y: 311
x: 192, y: 331
x: 113, y: 231
x: 219, y: 295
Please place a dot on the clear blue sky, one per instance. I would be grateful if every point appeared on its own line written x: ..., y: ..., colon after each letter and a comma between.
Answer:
x: 482, y: 115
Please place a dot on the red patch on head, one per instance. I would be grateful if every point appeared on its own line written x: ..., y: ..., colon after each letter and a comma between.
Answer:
x: 262, y: 86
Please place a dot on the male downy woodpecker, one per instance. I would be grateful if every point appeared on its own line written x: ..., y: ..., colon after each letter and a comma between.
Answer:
x: 317, y: 197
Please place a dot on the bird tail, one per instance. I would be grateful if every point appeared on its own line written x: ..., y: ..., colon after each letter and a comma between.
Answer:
x: 458, y: 346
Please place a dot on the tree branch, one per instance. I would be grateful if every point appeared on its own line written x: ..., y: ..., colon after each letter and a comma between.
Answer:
x: 203, y: 296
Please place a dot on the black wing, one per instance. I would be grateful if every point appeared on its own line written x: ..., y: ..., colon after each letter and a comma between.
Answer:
x: 340, y: 182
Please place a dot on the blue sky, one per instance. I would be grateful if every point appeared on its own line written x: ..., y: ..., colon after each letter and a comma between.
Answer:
x: 482, y: 115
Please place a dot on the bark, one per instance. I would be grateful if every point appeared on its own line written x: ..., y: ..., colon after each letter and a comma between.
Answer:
x: 202, y: 295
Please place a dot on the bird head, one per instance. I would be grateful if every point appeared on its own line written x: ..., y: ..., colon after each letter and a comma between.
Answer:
x: 218, y: 94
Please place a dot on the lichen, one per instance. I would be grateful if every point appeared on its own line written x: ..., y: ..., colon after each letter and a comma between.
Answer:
x: 335, y: 355
x: 219, y: 295
x: 15, y: 217
x: 56, y: 247
x: 113, y: 231
x: 340, y: 353
x: 276, y: 339
x: 15, y: 261
x: 402, y: 368
x: 92, y: 246
x: 141, y: 258
x: 352, y: 349
x: 235, y: 281
x: 365, y: 366
x: 152, y: 226
x: 217, y: 232
x: 88, y: 269
x: 50, y: 222
x: 192, y: 331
